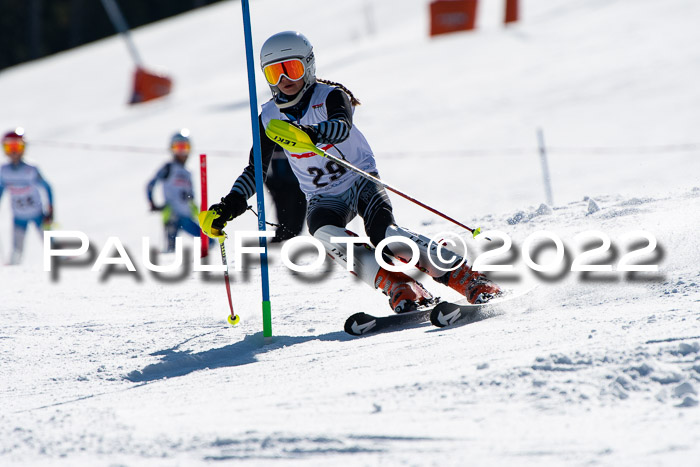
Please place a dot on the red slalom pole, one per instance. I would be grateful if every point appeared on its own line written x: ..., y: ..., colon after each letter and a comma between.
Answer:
x: 203, y: 183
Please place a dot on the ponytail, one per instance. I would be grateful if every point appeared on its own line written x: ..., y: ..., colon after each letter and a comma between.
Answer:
x: 353, y: 100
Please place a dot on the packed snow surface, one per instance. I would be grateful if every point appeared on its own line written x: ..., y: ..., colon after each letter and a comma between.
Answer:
x: 113, y: 367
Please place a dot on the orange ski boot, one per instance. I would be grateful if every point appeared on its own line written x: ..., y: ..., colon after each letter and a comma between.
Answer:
x: 473, y: 285
x: 405, y: 294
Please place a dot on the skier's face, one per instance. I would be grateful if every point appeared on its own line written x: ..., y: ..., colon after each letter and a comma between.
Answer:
x: 15, y: 157
x: 180, y: 149
x: 289, y: 87
x: 14, y: 148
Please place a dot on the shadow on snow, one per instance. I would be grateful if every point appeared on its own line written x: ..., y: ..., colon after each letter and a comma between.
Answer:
x: 178, y: 363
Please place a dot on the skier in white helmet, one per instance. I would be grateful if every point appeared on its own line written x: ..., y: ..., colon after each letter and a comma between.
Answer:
x: 324, y: 110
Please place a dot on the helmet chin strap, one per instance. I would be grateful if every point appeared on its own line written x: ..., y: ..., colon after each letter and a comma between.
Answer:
x: 283, y: 104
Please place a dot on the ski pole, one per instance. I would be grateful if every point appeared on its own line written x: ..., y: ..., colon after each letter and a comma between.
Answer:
x: 205, y: 220
x: 293, y: 139
x: 233, y: 318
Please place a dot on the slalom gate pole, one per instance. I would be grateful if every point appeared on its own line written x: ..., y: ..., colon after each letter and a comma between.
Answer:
x: 257, y: 156
x: 204, y: 240
x: 545, y: 167
x: 119, y: 23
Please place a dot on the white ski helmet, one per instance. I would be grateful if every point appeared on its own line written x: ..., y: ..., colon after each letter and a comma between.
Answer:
x: 283, y: 46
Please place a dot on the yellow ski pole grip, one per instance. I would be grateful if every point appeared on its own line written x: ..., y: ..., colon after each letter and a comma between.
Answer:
x: 205, y: 220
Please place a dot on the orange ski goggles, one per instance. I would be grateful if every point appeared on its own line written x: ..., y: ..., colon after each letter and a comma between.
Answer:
x: 180, y: 147
x: 13, y: 146
x: 293, y: 69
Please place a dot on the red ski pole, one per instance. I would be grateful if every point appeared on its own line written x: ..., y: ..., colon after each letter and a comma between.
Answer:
x: 233, y: 318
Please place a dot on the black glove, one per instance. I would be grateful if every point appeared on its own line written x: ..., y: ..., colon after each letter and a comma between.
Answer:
x: 231, y: 206
x: 309, y: 130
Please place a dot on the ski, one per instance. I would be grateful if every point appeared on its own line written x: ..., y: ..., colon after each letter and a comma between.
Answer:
x: 441, y: 314
x: 360, y: 324
x: 446, y: 313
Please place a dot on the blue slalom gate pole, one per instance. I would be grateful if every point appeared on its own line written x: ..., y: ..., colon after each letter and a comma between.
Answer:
x: 257, y: 156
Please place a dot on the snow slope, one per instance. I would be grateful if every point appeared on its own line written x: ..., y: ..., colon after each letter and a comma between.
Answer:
x: 118, y: 368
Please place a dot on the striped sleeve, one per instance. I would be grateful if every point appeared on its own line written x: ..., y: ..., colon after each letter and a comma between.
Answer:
x: 332, y: 131
x: 337, y: 128
x: 245, y: 183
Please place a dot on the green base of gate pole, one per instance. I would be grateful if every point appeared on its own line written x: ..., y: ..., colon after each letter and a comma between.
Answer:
x: 267, y: 319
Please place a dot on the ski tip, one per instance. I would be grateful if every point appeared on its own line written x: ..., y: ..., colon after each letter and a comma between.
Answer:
x: 444, y: 314
x: 435, y: 316
x: 359, y: 324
